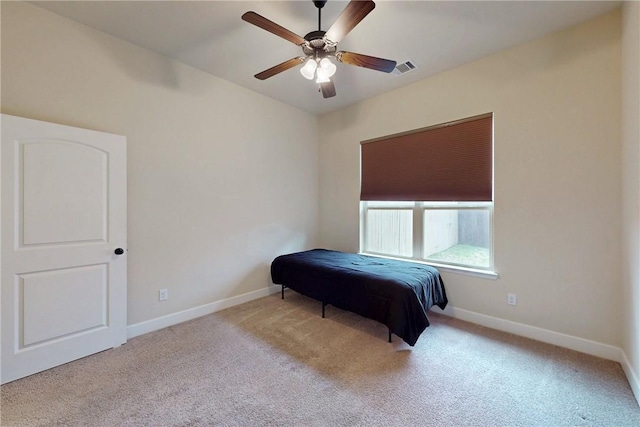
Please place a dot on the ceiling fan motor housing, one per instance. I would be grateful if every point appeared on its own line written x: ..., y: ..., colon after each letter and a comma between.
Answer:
x: 316, y: 45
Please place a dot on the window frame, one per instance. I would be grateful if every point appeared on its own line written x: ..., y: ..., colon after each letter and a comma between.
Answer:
x: 419, y: 209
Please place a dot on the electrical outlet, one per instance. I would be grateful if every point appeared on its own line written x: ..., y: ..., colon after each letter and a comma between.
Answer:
x: 163, y: 295
x: 511, y: 299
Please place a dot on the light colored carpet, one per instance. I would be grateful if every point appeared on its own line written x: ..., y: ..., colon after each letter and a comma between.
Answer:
x: 275, y: 362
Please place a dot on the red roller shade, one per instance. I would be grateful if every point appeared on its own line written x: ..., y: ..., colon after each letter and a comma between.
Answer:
x: 447, y: 162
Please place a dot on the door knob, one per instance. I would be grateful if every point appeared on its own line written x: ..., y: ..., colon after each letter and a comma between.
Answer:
x: 119, y: 251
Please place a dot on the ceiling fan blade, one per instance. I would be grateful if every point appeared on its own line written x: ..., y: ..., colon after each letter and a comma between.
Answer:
x: 280, y: 68
x: 272, y: 27
x: 355, y: 12
x: 328, y: 89
x: 379, y: 64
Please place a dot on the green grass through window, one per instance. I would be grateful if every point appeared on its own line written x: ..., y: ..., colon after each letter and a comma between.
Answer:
x: 463, y: 254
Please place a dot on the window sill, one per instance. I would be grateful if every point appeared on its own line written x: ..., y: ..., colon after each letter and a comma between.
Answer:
x: 484, y: 274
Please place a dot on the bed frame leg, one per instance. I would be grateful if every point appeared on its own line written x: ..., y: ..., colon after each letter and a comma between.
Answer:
x: 282, y: 291
x: 389, y: 335
x: 324, y: 304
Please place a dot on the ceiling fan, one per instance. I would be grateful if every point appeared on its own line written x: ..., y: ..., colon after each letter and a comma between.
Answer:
x: 319, y: 46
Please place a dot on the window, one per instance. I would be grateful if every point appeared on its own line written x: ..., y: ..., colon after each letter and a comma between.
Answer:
x: 446, y: 233
x: 388, y: 228
x: 428, y: 194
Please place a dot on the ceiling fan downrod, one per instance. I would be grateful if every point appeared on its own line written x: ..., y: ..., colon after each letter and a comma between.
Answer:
x: 319, y: 4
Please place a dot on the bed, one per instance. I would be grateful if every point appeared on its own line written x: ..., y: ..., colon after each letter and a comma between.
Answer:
x: 395, y: 293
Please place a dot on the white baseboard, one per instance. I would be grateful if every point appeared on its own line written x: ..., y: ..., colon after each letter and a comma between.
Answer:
x: 192, y: 313
x: 556, y: 338
x: 562, y: 340
x: 632, y: 376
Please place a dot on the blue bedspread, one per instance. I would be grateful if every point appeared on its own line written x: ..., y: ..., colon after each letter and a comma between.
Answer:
x: 395, y: 293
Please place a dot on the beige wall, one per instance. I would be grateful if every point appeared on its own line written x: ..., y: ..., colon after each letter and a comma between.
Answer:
x: 631, y: 186
x: 219, y: 180
x: 556, y: 104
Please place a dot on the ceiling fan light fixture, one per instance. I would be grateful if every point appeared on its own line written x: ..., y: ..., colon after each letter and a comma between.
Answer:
x: 327, y: 67
x: 309, y: 69
x: 322, y: 76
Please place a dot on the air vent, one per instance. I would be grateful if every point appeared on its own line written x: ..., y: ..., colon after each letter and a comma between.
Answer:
x: 403, y: 68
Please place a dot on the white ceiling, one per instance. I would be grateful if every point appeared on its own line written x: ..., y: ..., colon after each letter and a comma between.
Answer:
x: 434, y: 35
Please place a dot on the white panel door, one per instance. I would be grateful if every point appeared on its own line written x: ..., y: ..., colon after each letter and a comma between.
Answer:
x: 63, y: 245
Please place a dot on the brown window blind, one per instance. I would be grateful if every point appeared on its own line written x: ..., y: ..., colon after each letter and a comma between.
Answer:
x: 448, y: 162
